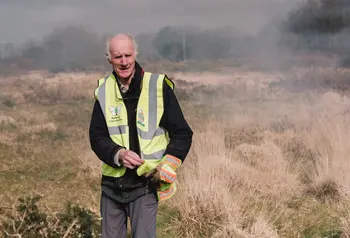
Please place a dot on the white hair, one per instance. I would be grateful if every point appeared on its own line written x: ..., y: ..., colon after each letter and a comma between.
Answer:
x: 108, y: 54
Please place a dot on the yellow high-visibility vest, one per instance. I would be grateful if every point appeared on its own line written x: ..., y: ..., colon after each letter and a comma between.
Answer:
x: 153, y: 139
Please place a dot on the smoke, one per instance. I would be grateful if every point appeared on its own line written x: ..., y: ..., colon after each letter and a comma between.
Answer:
x: 32, y: 19
x: 61, y: 34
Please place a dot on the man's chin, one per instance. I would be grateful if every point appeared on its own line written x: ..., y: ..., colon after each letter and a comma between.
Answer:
x: 124, y: 74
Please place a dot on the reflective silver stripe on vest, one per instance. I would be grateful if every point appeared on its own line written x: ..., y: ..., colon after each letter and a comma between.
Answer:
x: 152, y: 111
x: 102, y: 96
x: 149, y: 135
x: 113, y: 130
x: 153, y: 156
x: 117, y: 130
x: 152, y: 107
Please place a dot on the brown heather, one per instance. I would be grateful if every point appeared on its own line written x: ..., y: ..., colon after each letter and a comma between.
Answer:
x: 270, y: 153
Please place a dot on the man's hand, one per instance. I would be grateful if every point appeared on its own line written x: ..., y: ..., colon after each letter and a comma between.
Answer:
x: 130, y: 159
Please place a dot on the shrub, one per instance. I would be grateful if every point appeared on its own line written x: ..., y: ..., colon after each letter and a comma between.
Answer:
x: 28, y: 221
x: 9, y: 103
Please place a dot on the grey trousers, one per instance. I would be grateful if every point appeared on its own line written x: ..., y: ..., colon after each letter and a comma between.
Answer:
x: 142, y: 213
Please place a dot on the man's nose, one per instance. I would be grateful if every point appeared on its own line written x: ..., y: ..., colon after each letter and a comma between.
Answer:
x: 123, y: 60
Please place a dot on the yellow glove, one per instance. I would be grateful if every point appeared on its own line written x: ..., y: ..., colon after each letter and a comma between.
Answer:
x: 167, y: 176
x: 166, y: 191
x: 164, y: 170
x: 151, y: 166
x: 167, y: 168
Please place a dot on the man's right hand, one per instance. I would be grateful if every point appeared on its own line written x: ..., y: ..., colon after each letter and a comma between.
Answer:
x: 130, y: 159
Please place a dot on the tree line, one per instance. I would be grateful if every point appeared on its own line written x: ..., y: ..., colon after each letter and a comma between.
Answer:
x: 314, y: 25
x: 74, y: 47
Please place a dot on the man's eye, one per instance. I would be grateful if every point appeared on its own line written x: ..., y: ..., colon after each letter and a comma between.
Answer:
x: 117, y: 57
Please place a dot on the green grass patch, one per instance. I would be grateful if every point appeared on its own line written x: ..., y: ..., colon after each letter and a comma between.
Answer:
x: 307, y: 217
x: 165, y: 219
x: 8, y: 102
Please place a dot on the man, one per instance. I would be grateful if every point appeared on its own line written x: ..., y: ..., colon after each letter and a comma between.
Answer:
x: 137, y: 130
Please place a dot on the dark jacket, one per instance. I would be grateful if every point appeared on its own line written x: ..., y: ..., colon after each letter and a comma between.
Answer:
x: 130, y: 186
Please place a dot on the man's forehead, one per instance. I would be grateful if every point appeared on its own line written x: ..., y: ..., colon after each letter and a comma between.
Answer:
x: 121, y: 46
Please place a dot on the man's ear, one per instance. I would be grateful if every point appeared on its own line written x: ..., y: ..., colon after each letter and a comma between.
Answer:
x: 108, y: 59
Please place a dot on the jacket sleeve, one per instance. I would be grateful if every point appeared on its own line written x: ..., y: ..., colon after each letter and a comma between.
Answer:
x: 103, y: 146
x: 174, y: 122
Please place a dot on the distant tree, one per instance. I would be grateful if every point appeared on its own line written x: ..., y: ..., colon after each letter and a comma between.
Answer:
x: 210, y: 44
x: 72, y: 47
x: 177, y: 44
x: 168, y: 43
x: 34, y: 52
x: 147, y: 52
x: 319, y: 16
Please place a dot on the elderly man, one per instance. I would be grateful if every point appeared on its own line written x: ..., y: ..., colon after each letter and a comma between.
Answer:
x: 139, y: 132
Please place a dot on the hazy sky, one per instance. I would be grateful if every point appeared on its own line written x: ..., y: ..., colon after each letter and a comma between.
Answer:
x: 21, y: 20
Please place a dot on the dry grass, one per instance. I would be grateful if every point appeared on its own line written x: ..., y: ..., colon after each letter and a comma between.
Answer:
x: 266, y: 161
x: 45, y: 88
x: 223, y: 189
x: 345, y: 226
x: 247, y: 170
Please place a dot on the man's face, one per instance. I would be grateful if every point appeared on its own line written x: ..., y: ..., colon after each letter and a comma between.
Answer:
x: 122, y: 56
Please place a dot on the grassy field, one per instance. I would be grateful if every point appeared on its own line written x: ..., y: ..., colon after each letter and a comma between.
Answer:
x: 269, y: 156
